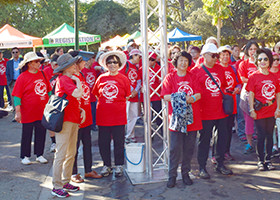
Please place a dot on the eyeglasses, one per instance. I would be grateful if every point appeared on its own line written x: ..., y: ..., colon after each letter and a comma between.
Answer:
x: 14, y: 52
x: 112, y: 62
x: 264, y: 59
x: 214, y: 55
x: 151, y: 59
x: 276, y: 59
x: 174, y: 52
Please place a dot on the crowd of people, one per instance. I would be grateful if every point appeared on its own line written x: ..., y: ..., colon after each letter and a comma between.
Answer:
x: 104, y: 94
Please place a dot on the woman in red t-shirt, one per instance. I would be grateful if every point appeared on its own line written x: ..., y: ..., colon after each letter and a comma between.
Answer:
x: 177, y: 82
x: 263, y: 86
x: 246, y: 68
x: 171, y: 54
x: 30, y: 97
x: 66, y: 139
x: 234, y: 87
x: 112, y: 89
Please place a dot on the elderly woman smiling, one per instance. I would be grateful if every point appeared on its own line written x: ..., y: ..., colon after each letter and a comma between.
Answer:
x: 112, y: 90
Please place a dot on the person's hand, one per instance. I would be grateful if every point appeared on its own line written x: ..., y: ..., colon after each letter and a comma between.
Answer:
x: 18, y: 117
x: 189, y: 99
x: 253, y: 114
x: 75, y: 78
x: 133, y: 94
x: 83, y: 115
x: 236, y: 91
x: 277, y: 113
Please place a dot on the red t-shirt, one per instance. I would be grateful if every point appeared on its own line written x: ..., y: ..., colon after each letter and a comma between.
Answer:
x: 171, y: 67
x: 85, y: 102
x: 232, y: 79
x: 111, y: 92
x: 191, y: 66
x: 133, y: 74
x: 90, y: 76
x: 211, y: 102
x: 246, y: 68
x: 174, y: 83
x: 265, y: 88
x: 33, y: 90
x: 65, y: 85
x: 277, y: 74
x: 3, y: 78
x: 49, y: 74
x: 199, y: 61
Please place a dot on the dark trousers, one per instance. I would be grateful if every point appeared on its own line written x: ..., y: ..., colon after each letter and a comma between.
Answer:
x: 93, y: 112
x: 105, y: 133
x: 84, y: 135
x: 265, y: 137
x: 230, y: 124
x: 181, y: 144
x: 240, y: 119
x: 2, y: 102
x: 156, y: 105
x: 204, y: 141
x: 39, y: 140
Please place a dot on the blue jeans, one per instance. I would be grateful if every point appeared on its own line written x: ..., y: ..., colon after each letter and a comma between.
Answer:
x: 93, y: 112
x: 240, y: 119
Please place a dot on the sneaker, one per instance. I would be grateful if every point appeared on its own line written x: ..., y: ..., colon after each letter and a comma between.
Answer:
x: 171, y: 182
x: 213, y: 160
x: 249, y: 149
x: 106, y: 171
x: 9, y: 108
x: 41, y: 159
x: 243, y: 139
x: 71, y: 188
x: 228, y: 157
x: 269, y: 166
x: 26, y: 161
x: 52, y: 147
x: 60, y: 193
x: 261, y: 166
x: 223, y: 170
x: 204, y: 174
x: 118, y: 171
x: 186, y: 179
x: 130, y: 140
x: 77, y: 178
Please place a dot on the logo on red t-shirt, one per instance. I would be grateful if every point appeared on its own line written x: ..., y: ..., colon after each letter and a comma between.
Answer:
x: 185, y: 88
x: 110, y: 91
x: 132, y: 75
x: 251, y: 71
x: 230, y: 80
x: 86, y: 92
x: 90, y: 79
x: 40, y: 88
x: 268, y: 91
x: 2, y: 69
x: 210, y: 85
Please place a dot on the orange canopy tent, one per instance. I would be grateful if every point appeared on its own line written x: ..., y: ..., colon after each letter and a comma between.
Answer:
x: 11, y: 37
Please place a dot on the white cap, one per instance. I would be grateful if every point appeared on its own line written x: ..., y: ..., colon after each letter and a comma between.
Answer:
x: 209, y: 48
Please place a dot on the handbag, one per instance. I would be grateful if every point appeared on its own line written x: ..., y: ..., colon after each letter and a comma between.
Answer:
x: 54, y: 113
x: 228, y: 102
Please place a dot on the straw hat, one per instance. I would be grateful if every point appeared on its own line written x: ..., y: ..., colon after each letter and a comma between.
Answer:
x: 120, y: 54
x: 28, y: 57
x: 65, y: 61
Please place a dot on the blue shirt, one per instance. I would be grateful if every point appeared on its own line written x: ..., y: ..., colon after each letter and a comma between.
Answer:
x: 16, y: 70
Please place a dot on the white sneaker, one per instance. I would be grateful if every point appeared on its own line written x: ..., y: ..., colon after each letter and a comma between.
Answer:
x: 41, y: 159
x: 118, y: 170
x: 52, y: 147
x: 106, y: 171
x: 9, y: 108
x: 26, y: 161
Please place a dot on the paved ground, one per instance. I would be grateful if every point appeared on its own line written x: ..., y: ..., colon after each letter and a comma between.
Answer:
x: 34, y: 181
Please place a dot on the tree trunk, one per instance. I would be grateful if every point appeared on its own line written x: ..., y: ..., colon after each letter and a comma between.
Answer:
x: 219, y: 26
x: 182, y: 6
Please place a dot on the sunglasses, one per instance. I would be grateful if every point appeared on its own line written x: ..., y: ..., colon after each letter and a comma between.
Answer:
x: 174, y: 52
x: 15, y: 52
x: 264, y: 59
x: 36, y: 61
x: 214, y: 55
x: 151, y: 59
x: 276, y: 59
x: 112, y: 62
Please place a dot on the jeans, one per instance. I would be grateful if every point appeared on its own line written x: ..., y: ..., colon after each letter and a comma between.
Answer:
x: 181, y: 144
x: 265, y: 138
x: 204, y: 141
x: 39, y: 140
x: 93, y: 112
x: 84, y: 135
x: 156, y: 105
x: 105, y: 133
x: 230, y: 124
x: 240, y: 119
x: 2, y: 102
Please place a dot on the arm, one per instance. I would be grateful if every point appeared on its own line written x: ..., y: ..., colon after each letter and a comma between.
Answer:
x: 167, y: 97
x: 193, y: 98
x: 77, y: 93
x: 253, y: 114
x: 244, y: 80
x: 277, y: 112
x: 18, y: 114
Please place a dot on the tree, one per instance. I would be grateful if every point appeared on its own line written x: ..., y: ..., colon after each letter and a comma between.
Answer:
x: 219, y: 10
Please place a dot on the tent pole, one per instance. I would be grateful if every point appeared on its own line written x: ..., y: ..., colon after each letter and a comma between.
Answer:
x: 87, y: 46
x: 76, y: 25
